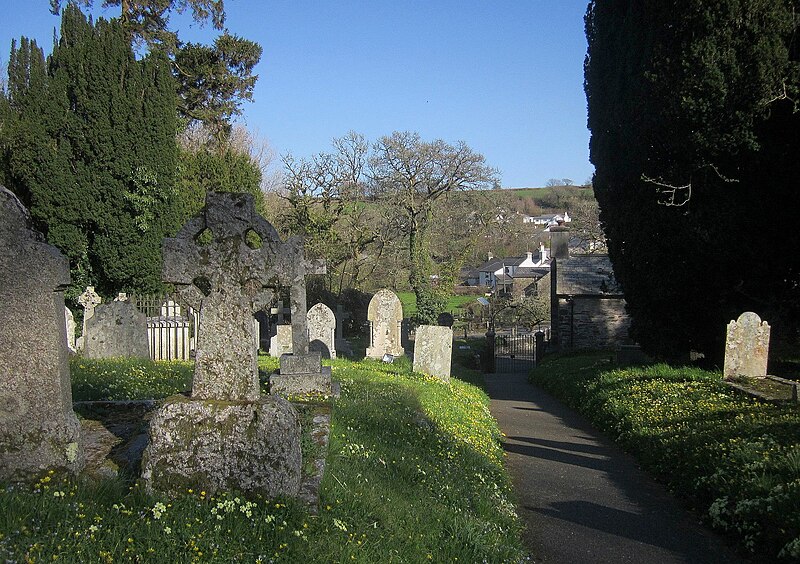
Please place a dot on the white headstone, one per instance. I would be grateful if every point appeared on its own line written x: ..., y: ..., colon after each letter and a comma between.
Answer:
x: 385, y: 314
x: 322, y: 330
x: 747, y: 347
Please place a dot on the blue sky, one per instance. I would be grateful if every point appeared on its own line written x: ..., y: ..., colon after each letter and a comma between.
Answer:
x: 505, y: 76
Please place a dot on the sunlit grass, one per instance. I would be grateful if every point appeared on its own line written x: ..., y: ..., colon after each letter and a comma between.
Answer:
x: 414, y: 474
x: 736, y: 459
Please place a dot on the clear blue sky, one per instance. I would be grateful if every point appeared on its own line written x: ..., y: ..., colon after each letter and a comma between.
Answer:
x: 505, y: 76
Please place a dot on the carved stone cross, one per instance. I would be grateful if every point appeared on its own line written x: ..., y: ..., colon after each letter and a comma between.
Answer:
x: 227, y: 263
x: 89, y: 300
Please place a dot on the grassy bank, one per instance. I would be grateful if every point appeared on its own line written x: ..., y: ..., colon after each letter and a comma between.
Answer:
x: 735, y: 459
x: 414, y: 474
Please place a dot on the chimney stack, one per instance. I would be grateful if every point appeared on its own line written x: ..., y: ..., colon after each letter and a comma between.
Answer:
x: 559, y: 241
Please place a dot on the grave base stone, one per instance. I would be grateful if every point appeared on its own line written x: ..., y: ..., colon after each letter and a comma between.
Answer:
x: 213, y: 445
x: 302, y: 374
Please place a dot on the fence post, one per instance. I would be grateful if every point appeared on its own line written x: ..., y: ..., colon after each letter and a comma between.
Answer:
x: 489, y: 363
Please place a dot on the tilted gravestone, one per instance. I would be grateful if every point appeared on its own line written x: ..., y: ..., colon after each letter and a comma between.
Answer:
x: 116, y: 329
x: 38, y: 429
x: 433, y: 351
x: 385, y: 315
x: 747, y: 347
x: 322, y: 330
x: 226, y: 263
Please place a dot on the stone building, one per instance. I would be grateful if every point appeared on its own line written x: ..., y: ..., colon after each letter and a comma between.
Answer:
x: 586, y: 302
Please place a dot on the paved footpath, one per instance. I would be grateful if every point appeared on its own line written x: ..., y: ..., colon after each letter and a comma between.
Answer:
x: 581, y: 497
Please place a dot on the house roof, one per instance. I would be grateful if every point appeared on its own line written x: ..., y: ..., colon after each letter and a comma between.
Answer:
x: 498, y: 263
x: 586, y: 275
x: 531, y: 271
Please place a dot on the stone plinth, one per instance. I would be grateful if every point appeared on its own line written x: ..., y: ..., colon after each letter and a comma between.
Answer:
x: 253, y: 447
x: 38, y: 429
x: 433, y: 351
x: 301, y: 375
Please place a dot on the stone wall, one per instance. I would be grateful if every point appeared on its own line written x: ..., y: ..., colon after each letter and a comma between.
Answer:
x: 592, y: 322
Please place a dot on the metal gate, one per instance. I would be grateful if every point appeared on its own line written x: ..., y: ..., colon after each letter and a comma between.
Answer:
x: 515, y: 352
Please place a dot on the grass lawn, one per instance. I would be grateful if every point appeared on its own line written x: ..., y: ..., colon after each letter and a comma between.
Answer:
x: 409, y: 301
x: 735, y: 459
x: 414, y: 474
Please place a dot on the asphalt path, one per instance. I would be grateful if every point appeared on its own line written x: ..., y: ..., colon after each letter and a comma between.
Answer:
x: 582, y: 499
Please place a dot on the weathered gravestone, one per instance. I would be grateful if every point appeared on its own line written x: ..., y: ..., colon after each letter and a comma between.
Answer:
x: 322, y: 330
x: 747, y: 347
x: 385, y: 315
x: 89, y: 299
x: 116, y: 329
x: 69, y: 319
x: 433, y: 351
x: 281, y: 342
x: 227, y: 435
x: 38, y: 429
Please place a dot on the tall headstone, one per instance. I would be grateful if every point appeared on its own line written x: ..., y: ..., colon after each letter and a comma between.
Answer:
x: 747, y: 347
x: 227, y: 435
x: 89, y: 299
x: 385, y: 315
x: 116, y: 329
x: 433, y: 351
x: 38, y: 429
x: 322, y: 330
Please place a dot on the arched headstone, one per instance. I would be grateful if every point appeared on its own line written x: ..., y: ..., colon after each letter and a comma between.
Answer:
x: 385, y: 314
x: 322, y: 330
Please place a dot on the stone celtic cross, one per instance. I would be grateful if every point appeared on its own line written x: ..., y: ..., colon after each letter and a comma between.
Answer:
x: 227, y: 263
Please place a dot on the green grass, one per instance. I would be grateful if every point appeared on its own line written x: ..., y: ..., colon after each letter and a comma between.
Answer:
x: 128, y: 378
x: 737, y: 460
x: 409, y: 301
x: 415, y: 474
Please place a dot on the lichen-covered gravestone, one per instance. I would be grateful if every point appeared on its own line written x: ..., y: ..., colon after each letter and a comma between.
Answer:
x: 226, y: 263
x: 322, y: 330
x: 747, y: 347
x: 38, y: 429
x: 116, y: 329
x: 385, y: 314
x: 69, y: 319
x: 433, y: 351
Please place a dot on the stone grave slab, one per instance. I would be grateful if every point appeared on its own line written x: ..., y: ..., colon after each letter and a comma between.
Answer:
x: 433, y: 351
x: 117, y: 329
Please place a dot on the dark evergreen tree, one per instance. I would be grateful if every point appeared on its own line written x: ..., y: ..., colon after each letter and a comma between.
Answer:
x: 91, y: 151
x: 695, y: 135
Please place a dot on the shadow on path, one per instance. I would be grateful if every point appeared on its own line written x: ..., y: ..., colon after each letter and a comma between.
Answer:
x: 583, y: 499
